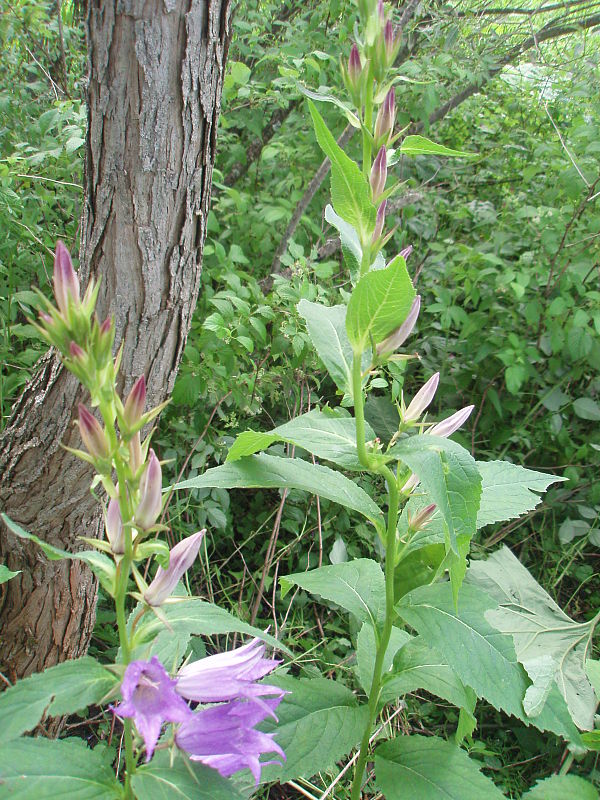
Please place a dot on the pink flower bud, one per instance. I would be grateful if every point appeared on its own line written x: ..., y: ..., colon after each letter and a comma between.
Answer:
x: 75, y: 351
x: 92, y: 434
x: 354, y: 67
x: 379, y: 173
x: 182, y: 557
x: 66, y: 283
x: 135, y: 403
x: 379, y: 222
x: 410, y: 484
x: 150, y: 503
x: 135, y: 453
x: 401, y: 334
x: 422, y: 399
x: 113, y: 525
x: 46, y: 318
x: 406, y: 251
x: 448, y: 426
x: 421, y: 518
x: 381, y: 11
x: 391, y: 42
x: 384, y: 124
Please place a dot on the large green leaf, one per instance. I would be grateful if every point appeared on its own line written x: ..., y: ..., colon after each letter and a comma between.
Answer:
x: 420, y: 146
x: 559, y: 787
x: 366, y: 647
x: 379, y: 304
x: 63, y: 689
x: 509, y: 490
x: 417, y: 666
x: 429, y: 768
x: 326, y: 434
x: 483, y: 658
x: 272, y: 472
x: 327, y: 330
x: 551, y: 646
x: 48, y: 769
x: 351, y: 247
x: 101, y: 565
x: 350, y: 191
x: 193, y: 616
x: 320, y: 721
x: 449, y: 475
x: 358, y: 586
x: 6, y: 574
x: 180, y: 780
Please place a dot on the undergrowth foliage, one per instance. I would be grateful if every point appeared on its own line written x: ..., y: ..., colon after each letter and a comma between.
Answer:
x: 423, y: 616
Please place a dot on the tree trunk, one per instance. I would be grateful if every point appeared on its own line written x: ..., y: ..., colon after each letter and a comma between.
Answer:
x: 155, y: 78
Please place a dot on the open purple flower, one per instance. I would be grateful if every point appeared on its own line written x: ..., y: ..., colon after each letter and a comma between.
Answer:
x: 223, y: 737
x: 229, y: 675
x: 149, y: 698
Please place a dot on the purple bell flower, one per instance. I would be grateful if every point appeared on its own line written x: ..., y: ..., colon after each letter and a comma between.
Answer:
x: 223, y: 737
x: 181, y: 558
x: 149, y: 698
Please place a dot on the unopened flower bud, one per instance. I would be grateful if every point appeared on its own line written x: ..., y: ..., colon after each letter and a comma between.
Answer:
x: 92, y: 434
x: 75, y: 351
x: 379, y: 222
x: 135, y: 453
x: 379, y: 173
x: 391, y: 42
x: 354, y: 67
x: 135, y: 403
x: 410, y: 484
x: 181, y: 558
x: 448, y: 426
x: 66, y: 283
x: 421, y: 518
x: 401, y: 334
x: 381, y: 11
x: 422, y: 399
x: 406, y: 251
x: 150, y: 503
x: 384, y: 124
x: 113, y: 525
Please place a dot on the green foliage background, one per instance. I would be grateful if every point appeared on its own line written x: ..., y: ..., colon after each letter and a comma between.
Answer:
x: 506, y: 258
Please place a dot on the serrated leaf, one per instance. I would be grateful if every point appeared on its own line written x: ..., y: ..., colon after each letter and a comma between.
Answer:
x: 358, y: 586
x: 559, y: 787
x: 327, y: 435
x: 417, y: 666
x: 379, y: 304
x: 181, y: 780
x: 101, y: 565
x: 320, y: 721
x: 63, y: 689
x: 449, y: 474
x: 366, y: 647
x: 51, y: 769
x: 509, y: 490
x: 483, y: 658
x: 420, y: 146
x: 272, y: 472
x: 327, y: 330
x: 429, y: 768
x: 540, y: 631
x: 350, y: 191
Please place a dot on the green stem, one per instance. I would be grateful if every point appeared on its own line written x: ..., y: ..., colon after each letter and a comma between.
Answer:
x: 390, y: 565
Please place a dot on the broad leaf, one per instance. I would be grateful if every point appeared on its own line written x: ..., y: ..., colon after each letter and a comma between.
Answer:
x: 182, y: 780
x: 357, y: 585
x: 6, y: 574
x: 483, y: 658
x: 549, y: 644
x: 350, y: 191
x: 509, y: 490
x: 45, y: 768
x: 63, y: 689
x: 449, y: 474
x: 325, y: 97
x: 326, y: 434
x: 366, y: 647
x: 420, y: 146
x: 320, y: 721
x: 272, y: 472
x: 351, y: 247
x: 327, y: 329
x: 379, y: 304
x: 417, y: 666
x: 101, y: 565
x: 193, y: 616
x: 429, y: 768
x: 559, y: 787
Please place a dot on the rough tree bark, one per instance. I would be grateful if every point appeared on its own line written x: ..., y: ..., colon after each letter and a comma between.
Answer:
x: 155, y: 77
